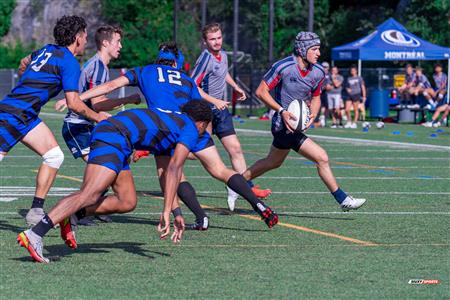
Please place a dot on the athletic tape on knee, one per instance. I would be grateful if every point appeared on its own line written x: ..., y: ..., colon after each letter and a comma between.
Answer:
x: 54, y: 157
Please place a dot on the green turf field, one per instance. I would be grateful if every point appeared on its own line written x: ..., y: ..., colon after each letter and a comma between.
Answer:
x: 316, y: 252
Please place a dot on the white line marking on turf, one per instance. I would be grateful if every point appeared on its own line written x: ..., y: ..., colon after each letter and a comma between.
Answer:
x: 7, y: 199
x: 354, y: 140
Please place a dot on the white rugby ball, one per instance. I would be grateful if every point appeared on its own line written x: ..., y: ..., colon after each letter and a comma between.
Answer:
x: 301, y: 111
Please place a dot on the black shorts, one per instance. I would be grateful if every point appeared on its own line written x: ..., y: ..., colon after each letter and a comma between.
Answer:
x: 222, y: 124
x: 285, y: 140
x: 355, y: 98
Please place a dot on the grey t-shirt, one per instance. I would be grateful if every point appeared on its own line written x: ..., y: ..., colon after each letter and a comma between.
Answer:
x: 355, y: 84
x: 336, y: 90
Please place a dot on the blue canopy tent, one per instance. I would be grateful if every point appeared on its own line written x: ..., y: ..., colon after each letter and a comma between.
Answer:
x: 391, y: 42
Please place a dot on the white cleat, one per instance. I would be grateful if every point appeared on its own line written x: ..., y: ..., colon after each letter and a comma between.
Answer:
x: 351, y: 203
x: 348, y: 125
x: 354, y: 126
x: 33, y: 243
x: 232, y: 197
x: 428, y: 124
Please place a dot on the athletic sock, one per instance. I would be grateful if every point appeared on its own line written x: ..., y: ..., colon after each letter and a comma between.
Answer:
x: 339, y: 195
x: 81, y: 214
x: 43, y: 226
x: 38, y: 202
x: 238, y: 184
x: 187, y: 194
x: 250, y: 183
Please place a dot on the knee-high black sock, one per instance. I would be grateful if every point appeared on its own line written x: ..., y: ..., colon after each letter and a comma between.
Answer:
x: 187, y: 194
x: 238, y: 184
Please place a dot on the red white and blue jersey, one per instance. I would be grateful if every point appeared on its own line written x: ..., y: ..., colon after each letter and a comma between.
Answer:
x: 209, y: 73
x: 440, y: 80
x: 164, y: 87
x: 94, y: 73
x: 52, y: 69
x: 292, y: 83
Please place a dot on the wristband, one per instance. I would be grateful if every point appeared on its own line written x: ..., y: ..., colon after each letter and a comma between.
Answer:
x: 176, y: 212
x: 280, y: 111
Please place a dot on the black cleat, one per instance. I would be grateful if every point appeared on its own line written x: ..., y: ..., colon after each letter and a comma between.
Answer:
x: 269, y: 217
x: 199, y: 225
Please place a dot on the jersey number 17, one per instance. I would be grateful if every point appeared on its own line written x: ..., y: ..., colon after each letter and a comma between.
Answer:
x: 169, y: 75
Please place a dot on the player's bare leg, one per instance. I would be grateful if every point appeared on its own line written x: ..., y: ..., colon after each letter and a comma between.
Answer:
x: 273, y: 160
x: 319, y: 156
x: 42, y: 141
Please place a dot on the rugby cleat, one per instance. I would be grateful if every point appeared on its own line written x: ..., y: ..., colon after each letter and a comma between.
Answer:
x: 199, y: 225
x: 351, y: 203
x: 231, y: 200
x: 34, y: 215
x: 260, y: 193
x: 269, y: 217
x: 138, y: 154
x: 68, y: 226
x: 33, y: 243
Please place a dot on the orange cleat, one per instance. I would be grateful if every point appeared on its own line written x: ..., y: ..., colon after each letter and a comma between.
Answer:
x: 33, y: 243
x: 260, y: 193
x: 138, y: 154
x: 68, y: 227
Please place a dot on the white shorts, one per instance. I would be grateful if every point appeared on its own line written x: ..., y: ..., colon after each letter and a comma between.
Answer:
x: 334, y: 101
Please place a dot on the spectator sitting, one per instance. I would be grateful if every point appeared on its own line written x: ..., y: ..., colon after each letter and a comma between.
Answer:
x: 334, y: 97
x: 421, y: 84
x: 407, y: 89
x: 437, y: 94
x: 445, y: 109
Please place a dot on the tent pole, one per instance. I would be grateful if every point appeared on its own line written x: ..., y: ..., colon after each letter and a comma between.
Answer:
x: 359, y: 67
x: 448, y: 81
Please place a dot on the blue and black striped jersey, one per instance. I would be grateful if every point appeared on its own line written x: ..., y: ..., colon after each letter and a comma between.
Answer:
x: 163, y: 86
x: 52, y: 69
x: 148, y: 129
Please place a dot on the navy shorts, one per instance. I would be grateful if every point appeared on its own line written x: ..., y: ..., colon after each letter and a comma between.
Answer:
x: 12, y: 130
x: 77, y: 138
x: 222, y: 123
x: 355, y: 98
x: 285, y: 140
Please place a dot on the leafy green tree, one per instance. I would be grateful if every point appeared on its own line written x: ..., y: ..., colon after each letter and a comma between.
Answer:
x: 6, y: 9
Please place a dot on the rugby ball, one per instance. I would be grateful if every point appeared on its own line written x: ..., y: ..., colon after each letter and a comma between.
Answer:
x: 301, y: 111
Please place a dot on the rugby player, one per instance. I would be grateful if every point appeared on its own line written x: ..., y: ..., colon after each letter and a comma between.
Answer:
x: 44, y: 73
x: 297, y: 76
x: 77, y: 129
x: 211, y: 75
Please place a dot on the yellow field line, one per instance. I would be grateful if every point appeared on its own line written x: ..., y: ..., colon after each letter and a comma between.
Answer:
x: 306, y: 229
x: 65, y: 177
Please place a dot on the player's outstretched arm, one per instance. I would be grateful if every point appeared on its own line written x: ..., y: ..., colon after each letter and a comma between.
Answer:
x: 103, y: 103
x: 105, y: 88
x: 78, y: 106
x: 172, y: 180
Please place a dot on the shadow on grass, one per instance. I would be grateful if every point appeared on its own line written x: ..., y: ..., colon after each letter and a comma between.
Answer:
x: 124, y: 219
x: 56, y: 252
x: 160, y: 194
x: 4, y: 225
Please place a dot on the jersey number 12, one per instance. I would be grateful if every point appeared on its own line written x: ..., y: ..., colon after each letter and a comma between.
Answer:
x: 172, y: 76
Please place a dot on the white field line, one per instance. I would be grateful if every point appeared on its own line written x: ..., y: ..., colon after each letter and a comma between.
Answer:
x: 425, y: 177
x: 354, y: 140
x: 375, y: 213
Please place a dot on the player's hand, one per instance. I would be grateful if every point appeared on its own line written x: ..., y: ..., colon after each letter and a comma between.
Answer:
x: 60, y: 105
x: 178, y: 225
x: 221, y: 105
x: 287, y: 116
x: 311, y: 120
x: 102, y: 116
x: 240, y: 93
x: 164, y: 225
